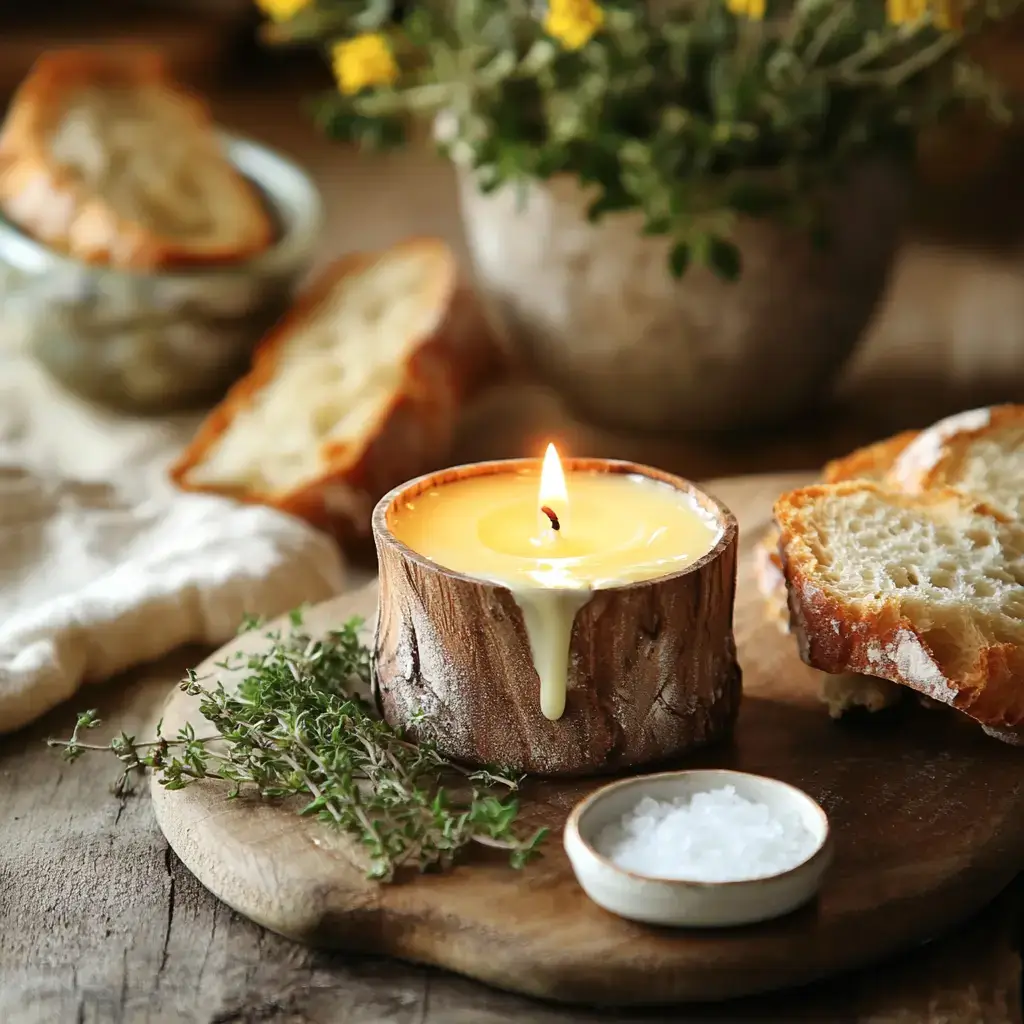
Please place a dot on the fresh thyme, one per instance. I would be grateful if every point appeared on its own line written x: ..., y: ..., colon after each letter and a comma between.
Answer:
x: 296, y: 726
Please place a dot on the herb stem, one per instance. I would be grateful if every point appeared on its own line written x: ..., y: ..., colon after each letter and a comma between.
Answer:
x: 297, y: 726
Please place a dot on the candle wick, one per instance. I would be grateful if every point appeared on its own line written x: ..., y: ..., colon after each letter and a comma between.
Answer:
x: 550, y: 513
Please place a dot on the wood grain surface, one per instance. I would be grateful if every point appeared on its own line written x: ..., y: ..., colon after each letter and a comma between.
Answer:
x: 99, y: 920
x: 100, y: 923
x: 457, y: 649
x: 927, y: 812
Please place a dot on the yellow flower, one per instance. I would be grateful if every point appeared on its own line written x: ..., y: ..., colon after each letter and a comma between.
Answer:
x: 573, y: 22
x: 281, y: 10
x: 753, y: 9
x: 945, y: 14
x: 363, y: 61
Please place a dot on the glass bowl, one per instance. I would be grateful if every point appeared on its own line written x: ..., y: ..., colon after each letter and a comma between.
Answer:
x: 159, y: 341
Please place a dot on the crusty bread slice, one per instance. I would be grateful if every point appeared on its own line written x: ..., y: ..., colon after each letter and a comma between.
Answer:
x: 355, y: 391
x: 106, y: 159
x: 926, y: 590
x: 846, y: 691
x: 843, y: 693
x: 979, y: 453
x: 872, y: 462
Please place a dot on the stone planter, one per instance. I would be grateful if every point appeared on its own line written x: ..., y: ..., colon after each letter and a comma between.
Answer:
x: 596, y: 312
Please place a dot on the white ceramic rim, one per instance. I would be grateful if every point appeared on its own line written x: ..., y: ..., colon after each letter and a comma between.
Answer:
x: 283, y: 184
x: 587, y: 803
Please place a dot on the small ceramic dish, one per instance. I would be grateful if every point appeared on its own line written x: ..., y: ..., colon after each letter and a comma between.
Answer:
x: 160, y: 341
x: 682, y: 902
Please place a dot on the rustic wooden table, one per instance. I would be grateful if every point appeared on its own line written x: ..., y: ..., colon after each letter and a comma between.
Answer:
x: 100, y: 923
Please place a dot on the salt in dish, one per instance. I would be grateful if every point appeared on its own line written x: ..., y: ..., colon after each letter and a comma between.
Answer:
x: 699, y: 848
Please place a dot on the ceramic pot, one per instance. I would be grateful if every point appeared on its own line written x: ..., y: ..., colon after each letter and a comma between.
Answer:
x: 160, y: 341
x: 596, y: 312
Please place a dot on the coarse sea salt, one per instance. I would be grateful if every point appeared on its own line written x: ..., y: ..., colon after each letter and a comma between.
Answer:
x: 712, y: 836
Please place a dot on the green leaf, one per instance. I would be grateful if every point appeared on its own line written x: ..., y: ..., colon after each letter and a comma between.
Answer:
x: 418, y: 27
x: 724, y: 258
x: 375, y: 15
x: 723, y: 87
x: 314, y: 806
x: 679, y: 259
x: 88, y: 719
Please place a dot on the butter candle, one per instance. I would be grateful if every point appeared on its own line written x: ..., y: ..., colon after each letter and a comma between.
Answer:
x: 553, y: 541
x: 556, y: 622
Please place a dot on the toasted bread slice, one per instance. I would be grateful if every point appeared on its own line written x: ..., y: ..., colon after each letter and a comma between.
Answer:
x: 355, y: 391
x: 104, y: 158
x: 873, y: 462
x: 841, y: 693
x: 925, y: 590
x: 979, y: 453
x: 846, y: 691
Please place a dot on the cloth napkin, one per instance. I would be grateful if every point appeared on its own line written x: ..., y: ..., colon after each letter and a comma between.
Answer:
x: 105, y: 565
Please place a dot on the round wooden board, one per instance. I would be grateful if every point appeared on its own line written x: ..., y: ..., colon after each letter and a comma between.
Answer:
x: 927, y: 813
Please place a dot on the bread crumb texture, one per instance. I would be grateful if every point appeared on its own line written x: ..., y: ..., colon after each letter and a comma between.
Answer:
x: 925, y: 590
x: 358, y: 388
x: 334, y: 377
x: 104, y: 157
x: 978, y: 453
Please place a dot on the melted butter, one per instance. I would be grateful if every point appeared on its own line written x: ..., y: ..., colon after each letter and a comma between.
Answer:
x: 615, y: 529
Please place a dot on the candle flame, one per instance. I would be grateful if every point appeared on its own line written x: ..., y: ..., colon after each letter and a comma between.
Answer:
x: 552, y: 480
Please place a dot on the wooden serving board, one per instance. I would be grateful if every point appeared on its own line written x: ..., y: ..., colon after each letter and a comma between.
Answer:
x: 927, y: 814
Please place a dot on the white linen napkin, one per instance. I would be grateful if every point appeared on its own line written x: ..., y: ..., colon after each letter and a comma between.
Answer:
x: 104, y: 565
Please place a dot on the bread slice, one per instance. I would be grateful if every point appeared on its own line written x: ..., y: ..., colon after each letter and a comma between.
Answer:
x: 843, y: 693
x: 105, y: 159
x: 356, y: 390
x: 847, y: 691
x: 979, y: 453
x: 925, y: 590
x: 872, y: 462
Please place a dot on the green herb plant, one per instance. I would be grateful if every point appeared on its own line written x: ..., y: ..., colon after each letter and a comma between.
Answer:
x: 296, y: 726
x: 691, y: 112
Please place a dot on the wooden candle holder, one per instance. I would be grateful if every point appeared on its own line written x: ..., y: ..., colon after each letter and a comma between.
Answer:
x: 653, y: 671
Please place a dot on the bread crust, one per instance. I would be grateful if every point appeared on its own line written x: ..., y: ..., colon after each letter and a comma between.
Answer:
x: 50, y: 202
x: 872, y: 462
x: 878, y: 640
x: 932, y: 461
x: 410, y: 436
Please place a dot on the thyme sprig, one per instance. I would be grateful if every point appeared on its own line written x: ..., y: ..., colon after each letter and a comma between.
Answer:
x: 296, y: 726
